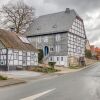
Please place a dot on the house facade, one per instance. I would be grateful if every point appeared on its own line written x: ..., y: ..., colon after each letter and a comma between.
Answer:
x: 60, y: 36
x: 16, y: 51
x: 95, y: 52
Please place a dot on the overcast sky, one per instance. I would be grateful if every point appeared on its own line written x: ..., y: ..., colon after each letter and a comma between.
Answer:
x: 89, y: 10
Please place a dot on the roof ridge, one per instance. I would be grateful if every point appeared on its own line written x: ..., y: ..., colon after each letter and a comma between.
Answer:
x: 54, y: 13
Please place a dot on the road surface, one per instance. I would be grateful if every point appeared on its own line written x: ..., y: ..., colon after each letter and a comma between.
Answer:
x: 82, y: 85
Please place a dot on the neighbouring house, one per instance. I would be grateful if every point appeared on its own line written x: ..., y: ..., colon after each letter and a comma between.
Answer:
x: 95, y: 52
x: 60, y: 35
x: 16, y: 51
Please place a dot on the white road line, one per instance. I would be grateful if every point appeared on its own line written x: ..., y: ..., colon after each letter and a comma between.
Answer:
x: 38, y: 95
x: 50, y: 77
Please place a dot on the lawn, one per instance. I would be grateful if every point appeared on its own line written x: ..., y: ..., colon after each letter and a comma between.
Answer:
x: 3, y: 78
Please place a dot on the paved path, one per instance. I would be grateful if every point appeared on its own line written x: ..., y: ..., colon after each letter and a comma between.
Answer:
x: 82, y: 85
x: 21, y: 74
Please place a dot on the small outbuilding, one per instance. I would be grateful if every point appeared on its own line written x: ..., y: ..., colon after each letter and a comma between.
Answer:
x: 16, y: 51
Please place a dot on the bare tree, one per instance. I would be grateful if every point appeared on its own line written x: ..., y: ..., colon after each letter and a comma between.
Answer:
x: 18, y: 16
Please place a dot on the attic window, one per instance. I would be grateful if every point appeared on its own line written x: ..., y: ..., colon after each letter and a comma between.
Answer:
x: 38, y: 28
x: 54, y: 26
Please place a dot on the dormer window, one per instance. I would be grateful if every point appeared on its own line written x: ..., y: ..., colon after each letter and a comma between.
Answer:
x: 38, y: 28
x: 54, y: 26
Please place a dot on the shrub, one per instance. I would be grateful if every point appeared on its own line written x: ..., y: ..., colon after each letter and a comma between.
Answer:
x: 88, y: 54
x: 44, y: 69
x: 74, y: 67
x: 3, y: 78
x: 40, y: 56
x: 51, y: 64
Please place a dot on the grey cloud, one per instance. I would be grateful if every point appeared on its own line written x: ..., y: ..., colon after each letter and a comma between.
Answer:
x: 81, y: 6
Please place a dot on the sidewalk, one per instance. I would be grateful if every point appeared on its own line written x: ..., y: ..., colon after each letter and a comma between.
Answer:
x: 9, y: 82
x: 64, y: 70
x: 68, y: 70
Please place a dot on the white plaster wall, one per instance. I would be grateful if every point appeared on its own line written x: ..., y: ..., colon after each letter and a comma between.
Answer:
x: 19, y: 61
x: 60, y: 62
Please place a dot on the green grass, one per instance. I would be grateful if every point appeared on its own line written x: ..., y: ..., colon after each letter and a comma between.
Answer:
x: 44, y: 69
x: 3, y: 78
x: 74, y: 67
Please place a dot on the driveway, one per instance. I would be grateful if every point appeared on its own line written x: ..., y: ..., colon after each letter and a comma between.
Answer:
x: 21, y: 74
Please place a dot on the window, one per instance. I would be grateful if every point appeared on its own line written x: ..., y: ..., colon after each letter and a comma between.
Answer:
x: 51, y: 49
x: 32, y: 56
x: 39, y: 39
x: 45, y: 39
x: 57, y: 37
x: 61, y: 58
x: 57, y: 48
x: 57, y: 58
x: 51, y: 59
x: 15, y: 56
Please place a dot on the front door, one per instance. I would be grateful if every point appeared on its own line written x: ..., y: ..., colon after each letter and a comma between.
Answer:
x: 46, y: 50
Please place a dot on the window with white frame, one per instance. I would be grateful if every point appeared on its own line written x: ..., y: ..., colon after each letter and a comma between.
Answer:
x: 45, y: 39
x: 61, y: 58
x: 32, y: 56
x: 58, y: 37
x: 15, y: 56
x: 51, y: 49
x: 39, y: 39
x: 57, y: 58
x: 57, y: 48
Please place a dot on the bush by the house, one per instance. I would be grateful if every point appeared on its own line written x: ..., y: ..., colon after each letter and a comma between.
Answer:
x: 51, y: 64
x: 40, y: 55
x: 3, y: 78
x: 88, y: 54
x: 44, y: 69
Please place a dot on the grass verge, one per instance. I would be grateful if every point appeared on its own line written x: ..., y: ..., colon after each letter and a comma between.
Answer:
x: 3, y: 78
x: 44, y: 69
x: 74, y: 67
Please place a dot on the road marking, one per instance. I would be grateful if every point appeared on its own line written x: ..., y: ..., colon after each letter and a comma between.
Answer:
x: 47, y: 78
x: 38, y: 95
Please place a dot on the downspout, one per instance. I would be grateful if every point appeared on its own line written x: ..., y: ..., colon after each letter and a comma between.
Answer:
x: 7, y: 60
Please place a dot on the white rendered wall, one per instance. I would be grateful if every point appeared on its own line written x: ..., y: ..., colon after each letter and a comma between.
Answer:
x: 18, y: 61
x: 60, y: 62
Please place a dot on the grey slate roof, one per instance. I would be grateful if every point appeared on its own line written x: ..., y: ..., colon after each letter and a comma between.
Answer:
x: 52, y: 23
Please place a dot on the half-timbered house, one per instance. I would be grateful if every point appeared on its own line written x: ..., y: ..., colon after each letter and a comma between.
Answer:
x: 16, y: 51
x: 61, y: 36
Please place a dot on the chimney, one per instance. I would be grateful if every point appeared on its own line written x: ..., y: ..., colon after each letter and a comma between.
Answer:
x: 67, y: 10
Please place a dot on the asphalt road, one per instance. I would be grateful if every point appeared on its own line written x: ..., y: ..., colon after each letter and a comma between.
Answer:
x: 82, y: 85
